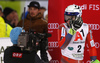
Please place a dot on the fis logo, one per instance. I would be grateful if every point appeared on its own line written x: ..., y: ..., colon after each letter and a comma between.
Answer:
x: 90, y: 7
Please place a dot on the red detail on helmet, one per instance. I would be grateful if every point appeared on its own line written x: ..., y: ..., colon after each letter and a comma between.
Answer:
x: 68, y: 12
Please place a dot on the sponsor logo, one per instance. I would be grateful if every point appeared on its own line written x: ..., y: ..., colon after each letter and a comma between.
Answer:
x: 78, y: 55
x: 53, y: 44
x: 17, y: 55
x: 53, y: 25
x: 90, y: 7
x: 83, y: 7
x: 94, y: 7
x: 94, y: 26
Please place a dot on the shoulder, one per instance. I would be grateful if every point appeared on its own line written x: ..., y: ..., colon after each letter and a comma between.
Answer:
x: 11, y: 49
x: 2, y: 24
x: 9, y: 27
x: 8, y: 50
x: 2, y: 20
x: 40, y: 21
x: 85, y: 24
x: 21, y: 21
x: 63, y: 25
x: 86, y: 27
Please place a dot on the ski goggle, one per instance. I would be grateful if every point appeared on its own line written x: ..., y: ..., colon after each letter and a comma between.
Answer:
x: 67, y: 17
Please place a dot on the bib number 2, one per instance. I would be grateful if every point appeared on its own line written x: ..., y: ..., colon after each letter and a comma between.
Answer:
x: 79, y: 47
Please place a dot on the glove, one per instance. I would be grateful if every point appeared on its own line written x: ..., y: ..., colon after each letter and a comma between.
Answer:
x: 96, y: 61
x: 15, y: 32
x: 77, y: 23
x: 71, y: 31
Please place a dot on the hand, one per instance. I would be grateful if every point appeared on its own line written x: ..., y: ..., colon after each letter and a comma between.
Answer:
x: 15, y: 22
x: 77, y: 23
x: 96, y: 61
x: 72, y: 32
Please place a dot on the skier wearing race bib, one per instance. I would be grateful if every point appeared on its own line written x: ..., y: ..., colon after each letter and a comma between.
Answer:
x: 72, y: 36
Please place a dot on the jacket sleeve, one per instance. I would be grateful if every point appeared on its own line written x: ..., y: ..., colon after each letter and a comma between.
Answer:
x: 92, y: 49
x: 61, y: 39
x: 64, y: 37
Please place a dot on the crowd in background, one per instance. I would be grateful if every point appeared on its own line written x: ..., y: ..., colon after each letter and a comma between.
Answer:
x: 9, y: 19
x: 35, y: 21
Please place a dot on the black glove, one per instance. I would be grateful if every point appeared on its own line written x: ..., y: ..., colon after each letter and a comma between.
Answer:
x: 77, y: 23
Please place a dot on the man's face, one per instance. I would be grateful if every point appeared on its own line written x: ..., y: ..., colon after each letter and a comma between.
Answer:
x: 13, y: 18
x: 69, y: 18
x: 33, y: 11
x: 10, y: 17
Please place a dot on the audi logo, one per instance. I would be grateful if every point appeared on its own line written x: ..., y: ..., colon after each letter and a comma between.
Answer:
x: 53, y: 44
x: 94, y: 26
x: 53, y: 25
x: 54, y: 61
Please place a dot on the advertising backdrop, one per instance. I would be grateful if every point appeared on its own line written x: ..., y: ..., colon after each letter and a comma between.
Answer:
x: 90, y: 15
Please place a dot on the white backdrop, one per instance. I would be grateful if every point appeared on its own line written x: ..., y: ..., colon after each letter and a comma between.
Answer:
x: 4, y: 43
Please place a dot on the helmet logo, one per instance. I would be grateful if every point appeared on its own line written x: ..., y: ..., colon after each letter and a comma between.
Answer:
x: 68, y: 12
